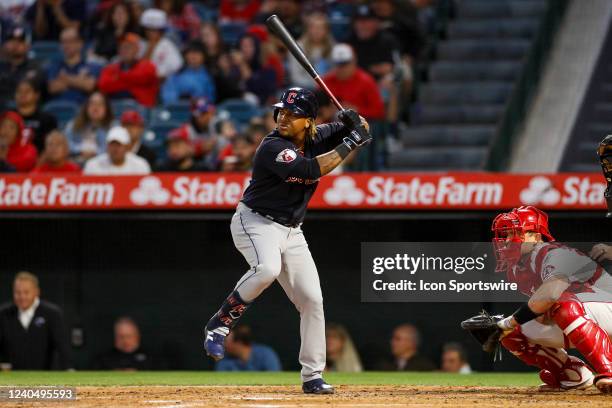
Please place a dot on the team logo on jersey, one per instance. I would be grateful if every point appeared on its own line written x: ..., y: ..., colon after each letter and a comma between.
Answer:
x: 286, y: 156
x: 549, y: 270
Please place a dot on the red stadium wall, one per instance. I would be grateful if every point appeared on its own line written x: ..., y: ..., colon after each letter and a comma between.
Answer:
x: 363, y: 191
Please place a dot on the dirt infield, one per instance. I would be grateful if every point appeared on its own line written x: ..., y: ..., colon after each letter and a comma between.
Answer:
x: 346, y: 396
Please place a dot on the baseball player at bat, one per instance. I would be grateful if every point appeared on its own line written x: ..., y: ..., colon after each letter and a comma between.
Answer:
x: 570, y: 304
x: 266, y: 226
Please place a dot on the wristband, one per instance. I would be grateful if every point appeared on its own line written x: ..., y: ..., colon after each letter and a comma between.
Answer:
x: 525, y: 314
x: 343, y: 150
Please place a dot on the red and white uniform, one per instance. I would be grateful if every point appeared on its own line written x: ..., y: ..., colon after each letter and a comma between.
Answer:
x: 581, y: 318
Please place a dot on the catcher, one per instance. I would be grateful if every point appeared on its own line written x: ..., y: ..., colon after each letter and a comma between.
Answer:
x: 604, y: 151
x: 570, y: 304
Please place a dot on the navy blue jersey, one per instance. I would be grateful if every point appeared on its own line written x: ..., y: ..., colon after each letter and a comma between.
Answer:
x: 284, y: 179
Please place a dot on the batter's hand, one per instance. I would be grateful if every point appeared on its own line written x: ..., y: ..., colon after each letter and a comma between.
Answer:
x: 601, y: 252
x: 359, y: 126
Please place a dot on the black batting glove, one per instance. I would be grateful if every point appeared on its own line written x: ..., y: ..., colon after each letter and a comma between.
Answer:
x: 350, y: 118
x: 359, y: 134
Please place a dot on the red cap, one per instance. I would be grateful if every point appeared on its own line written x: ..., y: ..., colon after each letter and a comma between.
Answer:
x: 181, y: 133
x: 259, y: 31
x: 130, y: 38
x: 132, y: 117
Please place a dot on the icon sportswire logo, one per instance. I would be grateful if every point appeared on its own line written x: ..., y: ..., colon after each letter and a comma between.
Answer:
x: 540, y: 191
x: 150, y: 190
x: 344, y: 190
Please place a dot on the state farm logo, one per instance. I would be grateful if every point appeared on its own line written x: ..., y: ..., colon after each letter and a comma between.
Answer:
x: 150, y: 190
x: 540, y: 191
x: 344, y: 190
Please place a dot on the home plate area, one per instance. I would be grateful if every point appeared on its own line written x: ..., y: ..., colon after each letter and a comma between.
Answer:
x: 346, y: 396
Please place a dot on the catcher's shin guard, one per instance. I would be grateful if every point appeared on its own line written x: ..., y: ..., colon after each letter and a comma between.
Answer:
x: 590, y: 339
x: 559, y: 371
x: 218, y: 327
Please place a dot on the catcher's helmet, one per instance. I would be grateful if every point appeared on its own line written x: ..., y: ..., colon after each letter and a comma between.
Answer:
x: 298, y: 100
x: 518, y: 221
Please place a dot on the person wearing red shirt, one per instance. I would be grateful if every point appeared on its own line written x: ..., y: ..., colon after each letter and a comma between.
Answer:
x: 130, y: 77
x: 54, y: 158
x: 21, y: 152
x: 238, y: 10
x: 354, y: 87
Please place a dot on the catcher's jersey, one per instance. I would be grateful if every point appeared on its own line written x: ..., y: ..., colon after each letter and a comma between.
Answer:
x: 551, y: 260
x: 284, y: 179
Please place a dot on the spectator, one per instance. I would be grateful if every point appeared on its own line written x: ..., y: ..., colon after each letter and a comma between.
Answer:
x: 16, y: 65
x: 133, y: 122
x: 182, y: 16
x: 127, y: 353
x: 317, y: 43
x: 327, y: 110
x: 55, y: 157
x: 130, y: 77
x: 342, y: 355
x: 14, y: 10
x: 5, y: 166
x: 404, y: 350
x: 21, y: 153
x: 353, y: 86
x: 454, y: 359
x: 290, y: 12
x: 181, y: 153
x: 207, y: 140
x: 50, y: 17
x: 193, y: 81
x: 87, y: 131
x: 242, y: 354
x: 269, y: 52
x: 248, y: 70
x: 159, y: 49
x: 37, y: 123
x: 72, y: 78
x: 257, y: 130
x: 243, y: 150
x: 373, y: 47
x: 118, y: 159
x: 118, y: 21
x: 218, y: 63
x: 400, y: 19
x: 238, y: 10
x: 32, y: 331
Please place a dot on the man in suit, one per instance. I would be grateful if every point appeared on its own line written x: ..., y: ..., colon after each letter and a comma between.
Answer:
x: 32, y: 330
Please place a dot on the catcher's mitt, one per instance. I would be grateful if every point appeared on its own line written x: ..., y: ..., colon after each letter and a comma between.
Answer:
x: 484, y: 328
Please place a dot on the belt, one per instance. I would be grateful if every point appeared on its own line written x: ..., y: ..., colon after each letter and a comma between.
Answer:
x: 276, y: 220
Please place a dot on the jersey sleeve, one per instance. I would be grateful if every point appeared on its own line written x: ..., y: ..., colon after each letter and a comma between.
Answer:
x: 331, y: 134
x: 281, y: 158
x: 567, y: 264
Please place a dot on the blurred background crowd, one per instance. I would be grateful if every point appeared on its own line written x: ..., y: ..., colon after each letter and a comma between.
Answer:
x: 134, y: 86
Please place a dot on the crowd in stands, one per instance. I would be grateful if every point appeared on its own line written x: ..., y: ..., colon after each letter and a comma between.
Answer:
x: 34, y: 336
x: 189, y: 82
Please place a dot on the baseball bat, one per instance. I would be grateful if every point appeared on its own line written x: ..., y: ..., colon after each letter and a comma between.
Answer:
x: 277, y: 27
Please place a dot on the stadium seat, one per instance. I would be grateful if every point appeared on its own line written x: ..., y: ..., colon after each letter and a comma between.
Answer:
x: 46, y: 51
x: 206, y: 14
x: 500, y: 8
x: 175, y: 112
x: 64, y: 111
x: 239, y: 111
x: 155, y: 138
x: 231, y: 32
x: 121, y: 105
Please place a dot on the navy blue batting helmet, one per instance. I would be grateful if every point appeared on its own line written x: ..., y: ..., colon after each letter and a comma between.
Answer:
x: 298, y: 100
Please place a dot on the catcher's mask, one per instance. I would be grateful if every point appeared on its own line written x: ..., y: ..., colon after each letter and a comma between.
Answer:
x: 509, y: 229
x: 605, y: 159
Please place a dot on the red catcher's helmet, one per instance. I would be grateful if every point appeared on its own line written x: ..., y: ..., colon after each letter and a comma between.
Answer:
x: 518, y: 221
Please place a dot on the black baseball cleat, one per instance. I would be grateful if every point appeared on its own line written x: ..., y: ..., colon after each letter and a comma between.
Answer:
x: 317, y: 386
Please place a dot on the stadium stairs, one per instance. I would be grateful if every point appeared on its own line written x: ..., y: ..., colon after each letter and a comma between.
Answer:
x: 594, y: 119
x: 470, y: 82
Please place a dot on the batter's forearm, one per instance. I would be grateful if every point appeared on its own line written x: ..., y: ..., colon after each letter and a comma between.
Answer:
x: 329, y: 161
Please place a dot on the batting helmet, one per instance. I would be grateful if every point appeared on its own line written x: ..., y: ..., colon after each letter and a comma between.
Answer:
x: 298, y: 100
